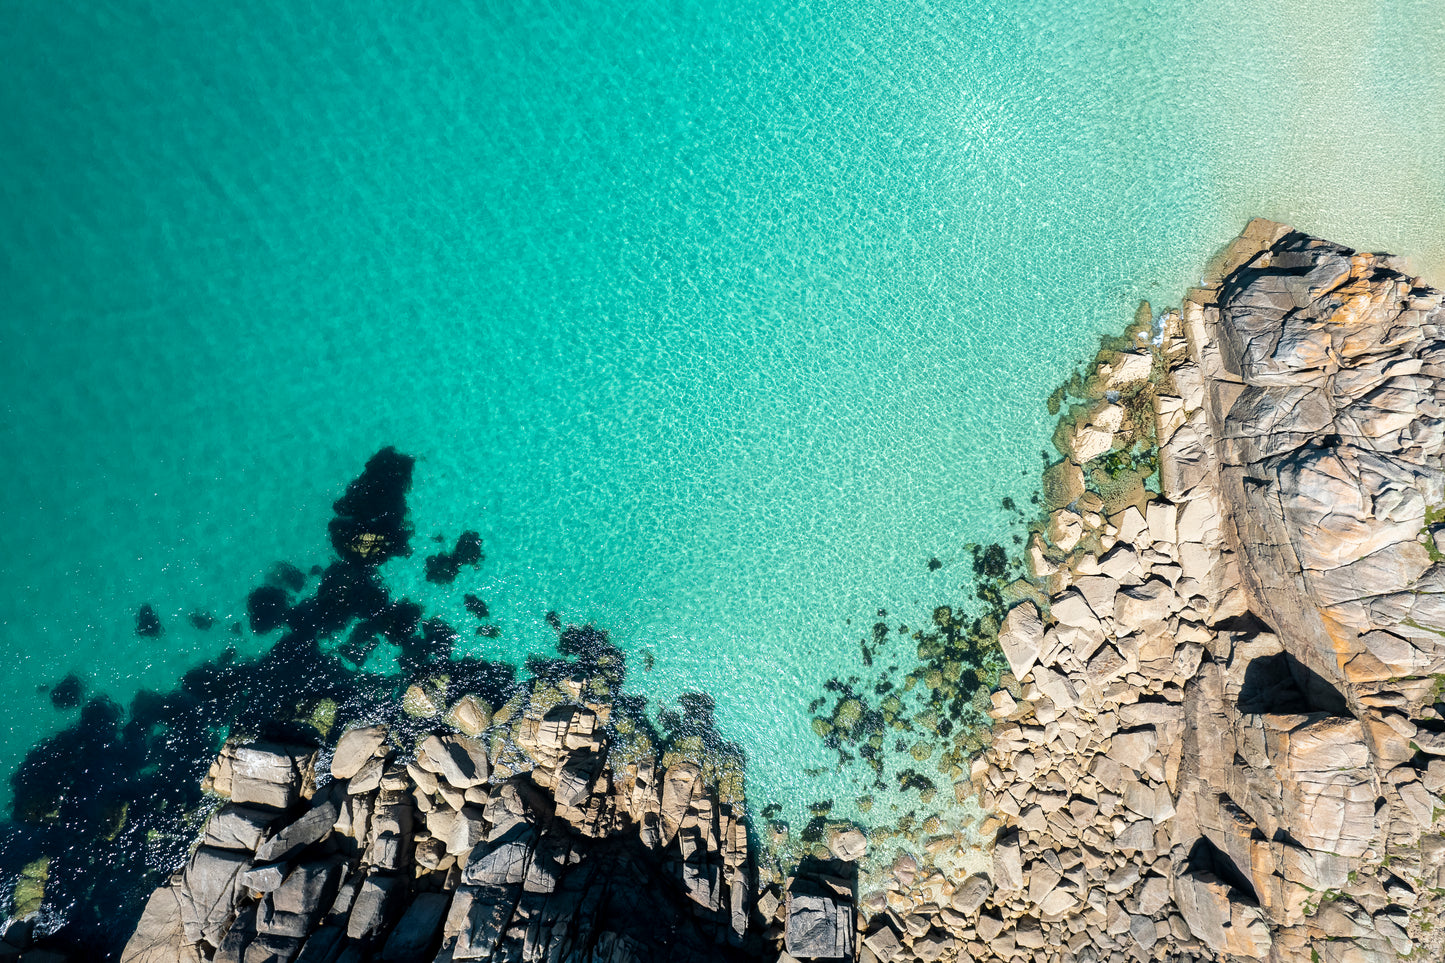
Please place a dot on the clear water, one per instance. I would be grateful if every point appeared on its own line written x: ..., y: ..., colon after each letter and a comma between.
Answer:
x: 717, y: 319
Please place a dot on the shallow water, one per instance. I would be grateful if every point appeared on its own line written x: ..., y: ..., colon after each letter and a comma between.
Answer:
x: 717, y: 320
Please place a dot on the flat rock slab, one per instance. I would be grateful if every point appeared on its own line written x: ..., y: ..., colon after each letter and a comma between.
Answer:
x: 309, y: 828
x: 239, y: 827
x: 819, y: 925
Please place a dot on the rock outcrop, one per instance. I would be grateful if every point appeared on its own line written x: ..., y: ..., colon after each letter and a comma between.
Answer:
x: 1312, y: 772
x: 536, y: 841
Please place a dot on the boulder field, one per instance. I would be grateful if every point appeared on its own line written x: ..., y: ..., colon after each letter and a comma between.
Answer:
x: 1229, y: 743
x: 531, y: 838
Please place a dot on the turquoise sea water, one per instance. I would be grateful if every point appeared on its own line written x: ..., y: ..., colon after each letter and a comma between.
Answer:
x: 717, y: 319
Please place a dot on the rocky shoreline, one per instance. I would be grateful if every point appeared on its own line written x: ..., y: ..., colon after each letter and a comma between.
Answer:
x: 1222, y: 735
x: 1229, y: 742
x: 531, y: 837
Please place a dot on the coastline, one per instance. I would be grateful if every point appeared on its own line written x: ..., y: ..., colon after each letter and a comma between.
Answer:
x: 1213, y: 741
x: 1226, y: 746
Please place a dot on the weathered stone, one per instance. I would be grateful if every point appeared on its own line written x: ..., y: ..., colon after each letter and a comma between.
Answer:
x: 819, y: 922
x: 270, y: 774
x: 1029, y: 934
x: 459, y: 760
x: 265, y: 878
x: 505, y: 860
x: 1088, y: 442
x: 1328, y: 789
x: 1224, y: 923
x: 241, y: 937
x: 297, y: 904
x: 1139, y: 606
x: 1132, y: 747
x: 884, y: 944
x: 1062, y: 483
x: 1144, y: 931
x: 1137, y: 837
x: 678, y: 784
x: 477, y: 920
x: 933, y: 946
x: 849, y: 845
x: 368, y: 777
x: 971, y: 894
x: 467, y: 830
x: 160, y: 935
x: 1123, y: 879
x: 314, y: 824
x: 376, y: 906
x: 419, y: 703
x: 272, y: 948
x: 238, y: 827
x: 208, y: 893
x: 469, y: 714
x: 1127, y: 368
x: 354, y: 748
x: 1162, y: 518
x: 1021, y: 637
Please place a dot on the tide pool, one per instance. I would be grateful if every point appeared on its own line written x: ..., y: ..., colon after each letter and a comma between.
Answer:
x: 718, y: 320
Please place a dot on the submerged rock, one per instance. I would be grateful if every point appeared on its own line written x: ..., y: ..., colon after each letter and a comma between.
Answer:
x: 30, y: 888
x: 371, y: 519
x: 68, y: 692
x: 444, y: 567
x: 147, y: 622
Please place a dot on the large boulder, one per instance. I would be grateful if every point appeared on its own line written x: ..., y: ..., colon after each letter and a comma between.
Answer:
x: 239, y: 827
x: 1328, y: 788
x: 297, y: 904
x: 460, y: 760
x: 1219, y: 917
x: 503, y: 861
x: 1021, y: 638
x: 820, y: 922
x: 160, y: 935
x: 355, y: 748
x: 477, y: 919
x: 377, y: 902
x: 678, y: 784
x: 208, y: 892
x: 271, y: 774
x: 1328, y: 406
x: 1008, y: 870
x: 309, y: 828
